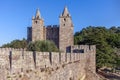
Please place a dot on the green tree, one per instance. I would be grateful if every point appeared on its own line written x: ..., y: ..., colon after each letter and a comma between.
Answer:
x: 104, y: 39
x: 16, y: 44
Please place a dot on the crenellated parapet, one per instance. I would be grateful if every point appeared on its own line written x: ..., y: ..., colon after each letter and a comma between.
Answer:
x: 82, y: 48
x: 52, y: 26
x: 17, y: 61
x: 9, y: 49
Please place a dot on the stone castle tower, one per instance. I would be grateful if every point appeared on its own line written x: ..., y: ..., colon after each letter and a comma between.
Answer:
x: 38, y: 27
x: 61, y: 35
x: 66, y: 31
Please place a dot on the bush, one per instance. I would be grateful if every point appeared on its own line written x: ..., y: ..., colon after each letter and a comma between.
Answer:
x: 43, y: 46
x: 16, y: 44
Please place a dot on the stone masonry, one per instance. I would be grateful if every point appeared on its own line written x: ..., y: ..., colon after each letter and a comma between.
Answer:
x: 18, y: 64
x: 73, y: 62
x: 61, y: 35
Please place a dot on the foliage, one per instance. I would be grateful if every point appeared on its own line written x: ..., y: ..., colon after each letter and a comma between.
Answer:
x: 16, y: 44
x: 44, y: 46
x: 118, y: 61
x: 106, y: 40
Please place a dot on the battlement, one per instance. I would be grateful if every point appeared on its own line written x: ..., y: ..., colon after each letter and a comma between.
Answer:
x: 14, y: 61
x: 82, y: 48
x: 10, y: 49
x: 52, y: 26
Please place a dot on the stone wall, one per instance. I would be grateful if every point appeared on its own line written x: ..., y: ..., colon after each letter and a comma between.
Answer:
x: 37, y: 29
x: 91, y: 58
x: 66, y: 33
x: 52, y: 34
x: 18, y: 64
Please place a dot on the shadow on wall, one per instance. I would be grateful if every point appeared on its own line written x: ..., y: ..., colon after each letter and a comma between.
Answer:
x: 10, y: 60
x: 68, y: 49
x: 78, y: 51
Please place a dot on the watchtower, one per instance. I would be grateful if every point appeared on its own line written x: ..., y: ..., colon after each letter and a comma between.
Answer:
x: 38, y: 28
x: 66, y: 38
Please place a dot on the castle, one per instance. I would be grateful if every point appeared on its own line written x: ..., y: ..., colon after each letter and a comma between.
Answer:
x: 76, y: 62
x: 61, y: 35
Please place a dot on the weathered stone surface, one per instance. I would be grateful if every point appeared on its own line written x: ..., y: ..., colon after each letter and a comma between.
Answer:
x: 26, y: 65
x: 66, y: 32
x: 52, y: 33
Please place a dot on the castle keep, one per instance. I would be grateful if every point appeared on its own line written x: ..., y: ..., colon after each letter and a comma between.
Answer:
x: 61, y: 35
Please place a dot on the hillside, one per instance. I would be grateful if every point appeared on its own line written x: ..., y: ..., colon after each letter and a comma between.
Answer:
x: 107, y: 42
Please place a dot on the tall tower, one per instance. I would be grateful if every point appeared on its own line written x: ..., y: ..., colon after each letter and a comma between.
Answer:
x: 38, y: 27
x: 66, y: 38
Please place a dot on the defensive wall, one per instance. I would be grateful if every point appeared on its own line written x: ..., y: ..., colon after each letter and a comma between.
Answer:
x: 52, y: 33
x: 19, y: 64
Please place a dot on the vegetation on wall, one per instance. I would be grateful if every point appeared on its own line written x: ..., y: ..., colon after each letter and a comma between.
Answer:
x: 43, y: 46
x: 107, y: 42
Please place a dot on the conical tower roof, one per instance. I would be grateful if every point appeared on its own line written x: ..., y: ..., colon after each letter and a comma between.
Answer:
x: 38, y: 15
x: 65, y: 12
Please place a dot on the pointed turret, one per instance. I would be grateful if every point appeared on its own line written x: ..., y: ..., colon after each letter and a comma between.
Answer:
x: 65, y: 31
x: 65, y: 12
x: 37, y: 27
x: 38, y: 15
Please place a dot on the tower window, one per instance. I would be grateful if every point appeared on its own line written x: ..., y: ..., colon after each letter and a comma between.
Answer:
x: 36, y: 22
x: 63, y: 24
x: 64, y: 19
x: 68, y: 15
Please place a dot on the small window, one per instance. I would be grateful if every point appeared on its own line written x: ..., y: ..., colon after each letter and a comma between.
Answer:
x: 68, y: 15
x: 64, y: 19
x: 36, y: 22
x: 63, y: 24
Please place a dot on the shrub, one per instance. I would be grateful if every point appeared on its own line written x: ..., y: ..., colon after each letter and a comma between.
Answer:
x: 43, y: 46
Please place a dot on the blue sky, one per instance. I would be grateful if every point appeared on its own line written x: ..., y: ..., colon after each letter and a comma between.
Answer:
x: 15, y: 15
